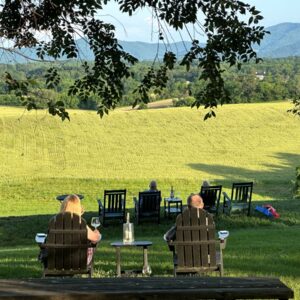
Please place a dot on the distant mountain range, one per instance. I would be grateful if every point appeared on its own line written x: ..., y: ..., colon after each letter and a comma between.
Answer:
x: 283, y: 41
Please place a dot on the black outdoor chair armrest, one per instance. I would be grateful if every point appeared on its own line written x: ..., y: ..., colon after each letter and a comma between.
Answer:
x: 100, y: 204
x: 226, y: 198
x: 101, y: 208
x: 136, y: 205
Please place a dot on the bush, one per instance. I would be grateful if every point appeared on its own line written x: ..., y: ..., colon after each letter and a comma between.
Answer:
x: 88, y: 104
x: 187, y: 101
x: 142, y: 106
x: 9, y: 99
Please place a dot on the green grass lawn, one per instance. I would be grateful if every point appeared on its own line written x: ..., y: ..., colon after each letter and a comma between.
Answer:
x: 42, y: 157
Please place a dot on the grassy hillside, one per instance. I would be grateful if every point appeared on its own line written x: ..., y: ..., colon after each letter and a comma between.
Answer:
x: 42, y: 156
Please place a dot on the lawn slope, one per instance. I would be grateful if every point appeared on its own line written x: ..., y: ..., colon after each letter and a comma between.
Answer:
x: 42, y: 156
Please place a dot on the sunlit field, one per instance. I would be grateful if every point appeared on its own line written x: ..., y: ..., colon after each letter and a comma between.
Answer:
x: 42, y: 157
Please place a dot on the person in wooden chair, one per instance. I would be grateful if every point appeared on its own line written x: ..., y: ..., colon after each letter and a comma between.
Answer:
x: 192, y: 241
x: 69, y: 246
x: 72, y: 204
x: 193, y: 200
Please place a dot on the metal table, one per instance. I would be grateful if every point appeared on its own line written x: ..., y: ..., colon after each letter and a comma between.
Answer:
x: 172, y: 206
x: 145, y: 244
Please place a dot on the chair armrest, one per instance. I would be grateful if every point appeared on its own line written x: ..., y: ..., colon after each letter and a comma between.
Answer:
x: 100, y: 204
x: 101, y: 208
x: 135, y: 201
x: 226, y: 198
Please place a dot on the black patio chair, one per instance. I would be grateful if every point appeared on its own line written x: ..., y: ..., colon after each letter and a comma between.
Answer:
x: 113, y: 207
x: 240, y: 200
x: 211, y: 197
x: 147, y: 206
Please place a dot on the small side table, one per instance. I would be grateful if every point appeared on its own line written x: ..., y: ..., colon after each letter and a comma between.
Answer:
x: 172, y: 206
x: 144, y: 244
x: 62, y: 197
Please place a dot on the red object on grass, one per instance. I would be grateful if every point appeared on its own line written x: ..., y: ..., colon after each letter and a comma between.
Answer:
x: 272, y: 210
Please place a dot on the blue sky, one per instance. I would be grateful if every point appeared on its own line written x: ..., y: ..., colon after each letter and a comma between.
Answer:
x: 138, y: 27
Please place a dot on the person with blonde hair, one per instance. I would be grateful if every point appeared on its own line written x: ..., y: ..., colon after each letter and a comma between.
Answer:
x: 72, y: 204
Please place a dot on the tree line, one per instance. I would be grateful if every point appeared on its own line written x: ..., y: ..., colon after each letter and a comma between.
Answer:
x: 272, y: 79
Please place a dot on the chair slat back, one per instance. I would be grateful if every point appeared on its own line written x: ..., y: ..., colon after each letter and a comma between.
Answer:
x: 149, y: 201
x: 114, y: 200
x: 241, y: 192
x: 211, y: 195
x: 195, y: 239
x: 67, y: 243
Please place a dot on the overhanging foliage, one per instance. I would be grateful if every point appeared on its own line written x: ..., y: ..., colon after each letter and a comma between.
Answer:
x: 229, y: 39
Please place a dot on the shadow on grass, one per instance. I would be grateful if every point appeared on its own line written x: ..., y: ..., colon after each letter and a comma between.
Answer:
x: 267, y: 180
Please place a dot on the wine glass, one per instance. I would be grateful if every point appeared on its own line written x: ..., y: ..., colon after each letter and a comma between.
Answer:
x: 95, y: 222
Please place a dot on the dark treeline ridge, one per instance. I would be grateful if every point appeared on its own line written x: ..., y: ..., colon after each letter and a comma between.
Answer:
x: 272, y: 79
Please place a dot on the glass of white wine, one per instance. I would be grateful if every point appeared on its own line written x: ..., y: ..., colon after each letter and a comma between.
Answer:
x: 95, y: 222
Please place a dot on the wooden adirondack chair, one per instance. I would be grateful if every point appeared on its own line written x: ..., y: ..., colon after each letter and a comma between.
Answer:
x: 211, y: 197
x: 67, y: 246
x: 195, y: 249
x: 240, y: 200
x: 148, y: 206
x: 114, y: 204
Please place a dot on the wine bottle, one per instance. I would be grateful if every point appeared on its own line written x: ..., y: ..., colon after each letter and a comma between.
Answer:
x: 128, y: 231
x: 172, y: 192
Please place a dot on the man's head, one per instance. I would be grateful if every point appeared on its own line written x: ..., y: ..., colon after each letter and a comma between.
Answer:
x: 194, y: 200
x: 153, y: 185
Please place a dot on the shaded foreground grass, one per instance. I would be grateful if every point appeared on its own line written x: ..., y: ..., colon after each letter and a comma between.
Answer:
x: 257, y: 246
